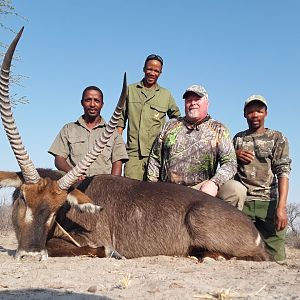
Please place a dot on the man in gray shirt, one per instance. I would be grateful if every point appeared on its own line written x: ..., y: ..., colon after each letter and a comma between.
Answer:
x: 75, y: 139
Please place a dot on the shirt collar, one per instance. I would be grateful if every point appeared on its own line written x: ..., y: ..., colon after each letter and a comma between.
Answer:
x: 81, y: 122
x: 140, y: 84
x: 195, y: 125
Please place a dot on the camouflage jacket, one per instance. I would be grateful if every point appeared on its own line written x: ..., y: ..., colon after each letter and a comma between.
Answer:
x: 271, y: 162
x: 190, y: 156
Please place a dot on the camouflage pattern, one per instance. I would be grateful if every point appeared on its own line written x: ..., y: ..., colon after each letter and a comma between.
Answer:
x: 271, y: 162
x: 197, y: 89
x: 256, y: 98
x: 190, y: 156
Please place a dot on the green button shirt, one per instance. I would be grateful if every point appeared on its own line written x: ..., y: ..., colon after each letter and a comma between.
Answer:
x: 75, y: 139
x: 146, y: 111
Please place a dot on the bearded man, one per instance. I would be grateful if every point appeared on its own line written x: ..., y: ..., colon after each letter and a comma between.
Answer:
x: 197, y: 151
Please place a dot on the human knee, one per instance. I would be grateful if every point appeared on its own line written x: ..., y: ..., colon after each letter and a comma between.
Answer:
x: 233, y: 192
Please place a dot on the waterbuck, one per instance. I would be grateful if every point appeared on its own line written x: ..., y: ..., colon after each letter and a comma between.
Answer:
x: 108, y: 214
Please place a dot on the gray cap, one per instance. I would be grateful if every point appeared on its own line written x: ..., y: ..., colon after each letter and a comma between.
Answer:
x: 197, y: 89
x: 256, y: 98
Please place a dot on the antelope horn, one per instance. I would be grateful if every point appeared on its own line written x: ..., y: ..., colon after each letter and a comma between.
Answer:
x: 71, y: 177
x: 29, y: 172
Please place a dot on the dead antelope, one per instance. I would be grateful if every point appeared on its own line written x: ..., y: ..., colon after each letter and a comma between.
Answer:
x: 137, y: 218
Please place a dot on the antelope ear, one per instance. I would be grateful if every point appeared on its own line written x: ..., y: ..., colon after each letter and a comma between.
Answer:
x: 11, y: 179
x: 82, y: 202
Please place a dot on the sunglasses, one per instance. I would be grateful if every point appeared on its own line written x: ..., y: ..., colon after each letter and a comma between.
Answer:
x: 154, y: 57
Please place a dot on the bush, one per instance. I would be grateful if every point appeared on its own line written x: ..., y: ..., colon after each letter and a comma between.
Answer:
x: 293, y: 240
x: 5, y: 214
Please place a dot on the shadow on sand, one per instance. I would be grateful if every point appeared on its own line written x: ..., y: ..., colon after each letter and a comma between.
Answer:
x: 44, y: 294
x: 10, y: 252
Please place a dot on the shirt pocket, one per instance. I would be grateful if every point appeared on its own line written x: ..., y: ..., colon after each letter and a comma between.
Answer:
x: 78, y: 146
x: 107, y: 151
x: 157, y: 113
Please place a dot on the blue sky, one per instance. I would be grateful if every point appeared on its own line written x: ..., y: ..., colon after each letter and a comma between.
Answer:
x: 233, y: 48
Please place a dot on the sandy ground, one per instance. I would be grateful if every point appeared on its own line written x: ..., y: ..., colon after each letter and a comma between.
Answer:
x: 158, y: 277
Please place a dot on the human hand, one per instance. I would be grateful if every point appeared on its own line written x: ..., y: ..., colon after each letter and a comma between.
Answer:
x: 209, y: 187
x: 245, y: 156
x: 281, y: 218
x: 80, y: 178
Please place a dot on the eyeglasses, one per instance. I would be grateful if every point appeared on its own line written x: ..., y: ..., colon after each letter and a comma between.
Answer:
x: 154, y: 57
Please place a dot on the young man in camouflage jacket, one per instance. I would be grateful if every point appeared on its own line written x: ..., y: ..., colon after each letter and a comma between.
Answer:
x: 197, y: 151
x: 264, y: 168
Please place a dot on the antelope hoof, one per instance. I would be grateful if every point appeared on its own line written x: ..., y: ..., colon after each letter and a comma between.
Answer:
x: 112, y: 253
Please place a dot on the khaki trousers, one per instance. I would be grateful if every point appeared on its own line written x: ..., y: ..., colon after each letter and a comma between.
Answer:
x: 231, y: 191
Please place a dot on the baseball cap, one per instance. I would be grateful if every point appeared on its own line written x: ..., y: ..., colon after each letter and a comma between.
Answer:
x: 256, y: 98
x: 197, y: 89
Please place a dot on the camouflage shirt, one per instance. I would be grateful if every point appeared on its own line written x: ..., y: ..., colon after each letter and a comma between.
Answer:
x: 271, y: 162
x: 190, y: 156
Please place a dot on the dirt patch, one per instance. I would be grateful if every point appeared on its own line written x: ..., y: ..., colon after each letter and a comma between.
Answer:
x: 158, y: 277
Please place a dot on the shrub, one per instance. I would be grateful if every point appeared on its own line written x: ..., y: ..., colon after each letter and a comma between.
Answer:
x: 5, y: 214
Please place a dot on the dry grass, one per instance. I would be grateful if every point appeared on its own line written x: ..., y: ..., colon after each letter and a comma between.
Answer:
x: 124, y: 282
x: 5, y: 214
x: 226, y: 294
x: 293, y: 240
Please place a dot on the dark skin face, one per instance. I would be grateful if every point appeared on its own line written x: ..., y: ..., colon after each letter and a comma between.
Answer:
x: 92, y: 104
x: 255, y: 113
x: 152, y: 70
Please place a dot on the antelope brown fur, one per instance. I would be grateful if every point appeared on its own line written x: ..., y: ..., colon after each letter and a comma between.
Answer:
x: 137, y: 219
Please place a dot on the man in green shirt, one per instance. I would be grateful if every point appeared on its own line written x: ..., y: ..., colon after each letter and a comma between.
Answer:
x: 144, y: 114
x: 77, y: 138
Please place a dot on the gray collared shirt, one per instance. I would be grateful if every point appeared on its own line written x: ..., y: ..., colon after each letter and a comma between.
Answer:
x: 75, y: 139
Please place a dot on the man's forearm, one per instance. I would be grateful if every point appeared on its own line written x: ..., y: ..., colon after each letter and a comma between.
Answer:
x: 116, y: 168
x: 283, y: 187
x: 61, y: 164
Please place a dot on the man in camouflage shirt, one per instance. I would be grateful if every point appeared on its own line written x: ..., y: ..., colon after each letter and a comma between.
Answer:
x: 264, y: 168
x: 189, y: 150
